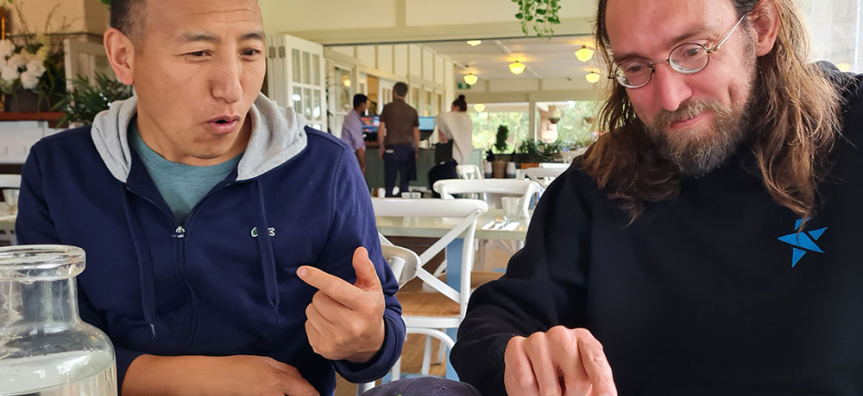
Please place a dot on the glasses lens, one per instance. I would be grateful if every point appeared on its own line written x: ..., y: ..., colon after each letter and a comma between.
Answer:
x: 689, y: 58
x: 633, y: 73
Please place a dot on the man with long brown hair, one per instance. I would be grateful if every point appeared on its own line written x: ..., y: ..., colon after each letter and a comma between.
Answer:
x: 705, y: 245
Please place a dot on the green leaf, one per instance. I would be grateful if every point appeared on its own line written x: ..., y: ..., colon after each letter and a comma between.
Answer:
x: 519, y: 15
x: 540, y: 11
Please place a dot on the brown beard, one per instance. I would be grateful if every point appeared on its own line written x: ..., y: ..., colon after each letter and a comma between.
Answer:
x: 697, y: 153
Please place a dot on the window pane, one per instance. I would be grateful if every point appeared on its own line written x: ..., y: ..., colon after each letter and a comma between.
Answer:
x: 307, y: 68
x: 297, y: 99
x: 316, y: 105
x: 316, y: 69
x: 307, y: 103
x: 295, y: 65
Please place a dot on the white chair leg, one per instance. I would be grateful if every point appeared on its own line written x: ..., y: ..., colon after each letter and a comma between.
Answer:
x: 427, y: 352
x: 397, y: 370
x: 441, y: 354
x: 480, y: 259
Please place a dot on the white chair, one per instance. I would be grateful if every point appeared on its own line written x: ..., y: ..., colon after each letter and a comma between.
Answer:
x: 403, y: 262
x: 553, y: 165
x: 7, y: 233
x: 428, y: 313
x: 493, y: 188
x: 544, y: 176
x: 568, y: 156
x: 470, y: 172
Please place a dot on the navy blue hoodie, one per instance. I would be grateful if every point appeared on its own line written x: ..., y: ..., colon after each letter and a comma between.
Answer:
x: 712, y: 292
x: 224, y: 282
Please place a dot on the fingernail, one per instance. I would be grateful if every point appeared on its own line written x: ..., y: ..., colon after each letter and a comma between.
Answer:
x: 301, y: 272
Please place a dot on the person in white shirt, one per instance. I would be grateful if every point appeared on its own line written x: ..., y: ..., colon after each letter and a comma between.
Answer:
x: 458, y: 127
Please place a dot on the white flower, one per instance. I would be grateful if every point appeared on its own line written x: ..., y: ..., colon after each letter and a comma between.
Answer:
x: 36, y: 68
x: 27, y: 55
x: 16, y: 61
x: 43, y: 53
x: 28, y: 80
x: 6, y: 48
x: 9, y: 74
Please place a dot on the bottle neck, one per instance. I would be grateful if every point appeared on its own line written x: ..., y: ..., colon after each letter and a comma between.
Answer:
x: 47, y: 304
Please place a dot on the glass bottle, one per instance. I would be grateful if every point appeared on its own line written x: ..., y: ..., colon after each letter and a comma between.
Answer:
x: 45, y: 347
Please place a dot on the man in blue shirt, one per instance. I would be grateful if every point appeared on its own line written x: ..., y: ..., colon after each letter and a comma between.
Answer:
x: 230, y: 249
x: 352, y: 129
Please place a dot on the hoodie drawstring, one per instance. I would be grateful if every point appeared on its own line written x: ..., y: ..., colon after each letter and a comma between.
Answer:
x: 145, y: 263
x: 268, y: 257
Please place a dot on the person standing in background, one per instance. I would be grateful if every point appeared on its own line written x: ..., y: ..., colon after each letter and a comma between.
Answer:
x: 398, y: 140
x: 352, y: 129
x: 456, y: 126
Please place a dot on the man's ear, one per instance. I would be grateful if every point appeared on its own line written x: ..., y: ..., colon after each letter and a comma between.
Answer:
x: 121, y: 54
x: 764, y: 19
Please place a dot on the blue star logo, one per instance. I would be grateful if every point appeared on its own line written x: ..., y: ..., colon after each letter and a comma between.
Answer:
x: 803, y: 242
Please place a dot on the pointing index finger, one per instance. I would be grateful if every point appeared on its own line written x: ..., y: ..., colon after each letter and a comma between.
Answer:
x: 334, y: 287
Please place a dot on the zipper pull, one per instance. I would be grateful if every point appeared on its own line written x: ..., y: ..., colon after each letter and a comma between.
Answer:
x: 179, y: 233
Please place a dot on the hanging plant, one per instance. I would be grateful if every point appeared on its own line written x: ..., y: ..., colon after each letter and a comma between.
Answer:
x: 539, y: 16
x: 107, y: 3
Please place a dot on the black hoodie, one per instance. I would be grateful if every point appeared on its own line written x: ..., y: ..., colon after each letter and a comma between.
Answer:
x: 709, y: 293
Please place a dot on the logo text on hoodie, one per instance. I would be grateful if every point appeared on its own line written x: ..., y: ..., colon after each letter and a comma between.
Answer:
x: 272, y: 232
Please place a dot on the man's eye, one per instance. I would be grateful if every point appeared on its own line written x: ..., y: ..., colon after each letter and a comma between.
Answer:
x: 633, y: 68
x: 251, y: 52
x: 198, y: 54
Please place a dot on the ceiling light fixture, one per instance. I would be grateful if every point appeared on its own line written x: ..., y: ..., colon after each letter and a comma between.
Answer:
x: 517, y: 67
x: 474, y: 43
x: 346, y: 81
x: 479, y: 107
x: 584, y: 54
x: 471, y: 79
x: 592, y: 77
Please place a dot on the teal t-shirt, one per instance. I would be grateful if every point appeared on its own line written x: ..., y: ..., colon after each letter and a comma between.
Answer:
x: 182, y: 186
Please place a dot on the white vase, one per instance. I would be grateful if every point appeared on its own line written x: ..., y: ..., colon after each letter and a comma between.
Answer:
x: 510, y: 170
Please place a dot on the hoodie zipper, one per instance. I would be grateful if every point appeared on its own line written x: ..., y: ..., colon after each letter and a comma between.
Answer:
x: 179, y: 234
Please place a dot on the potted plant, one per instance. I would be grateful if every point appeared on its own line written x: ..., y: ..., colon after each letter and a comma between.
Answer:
x: 500, y: 145
x: 87, y: 99
x: 550, y: 151
x: 528, y: 154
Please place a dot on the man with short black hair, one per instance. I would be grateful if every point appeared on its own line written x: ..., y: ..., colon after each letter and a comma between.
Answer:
x: 398, y: 141
x: 231, y: 250
x: 352, y: 129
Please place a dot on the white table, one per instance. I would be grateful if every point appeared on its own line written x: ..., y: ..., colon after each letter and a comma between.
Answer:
x: 436, y: 227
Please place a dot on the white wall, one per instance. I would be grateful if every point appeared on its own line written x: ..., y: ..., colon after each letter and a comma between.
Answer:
x: 294, y: 15
x: 78, y: 16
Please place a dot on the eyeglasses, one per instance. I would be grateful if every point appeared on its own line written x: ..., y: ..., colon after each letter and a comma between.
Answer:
x: 686, y: 58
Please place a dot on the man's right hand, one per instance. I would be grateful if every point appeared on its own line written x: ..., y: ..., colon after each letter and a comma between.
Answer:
x: 565, y: 362
x: 205, y: 375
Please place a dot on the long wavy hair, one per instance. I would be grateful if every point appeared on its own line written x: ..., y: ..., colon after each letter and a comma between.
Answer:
x: 798, y: 122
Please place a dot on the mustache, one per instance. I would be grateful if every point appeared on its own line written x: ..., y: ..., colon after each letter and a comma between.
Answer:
x: 687, y: 110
